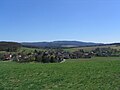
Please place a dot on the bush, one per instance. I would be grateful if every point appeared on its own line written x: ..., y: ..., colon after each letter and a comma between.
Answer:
x: 2, y: 57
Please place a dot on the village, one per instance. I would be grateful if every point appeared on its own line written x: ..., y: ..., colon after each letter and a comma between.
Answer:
x: 50, y: 56
x: 57, y: 56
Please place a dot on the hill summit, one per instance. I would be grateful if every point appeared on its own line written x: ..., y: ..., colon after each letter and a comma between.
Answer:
x: 60, y: 44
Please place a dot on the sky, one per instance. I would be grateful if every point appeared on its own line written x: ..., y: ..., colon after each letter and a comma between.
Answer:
x: 51, y: 20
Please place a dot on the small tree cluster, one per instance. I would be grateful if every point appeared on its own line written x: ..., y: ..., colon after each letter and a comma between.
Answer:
x: 106, y: 52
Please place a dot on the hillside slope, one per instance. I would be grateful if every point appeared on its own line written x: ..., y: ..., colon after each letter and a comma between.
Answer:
x: 60, y: 44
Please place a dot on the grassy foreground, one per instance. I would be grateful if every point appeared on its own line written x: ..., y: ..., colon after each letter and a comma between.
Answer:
x: 82, y: 74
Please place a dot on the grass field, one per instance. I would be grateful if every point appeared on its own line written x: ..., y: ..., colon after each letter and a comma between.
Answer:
x: 82, y: 74
x: 92, y: 48
x: 30, y: 49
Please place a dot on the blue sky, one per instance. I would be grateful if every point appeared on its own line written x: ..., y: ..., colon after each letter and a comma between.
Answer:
x: 50, y: 20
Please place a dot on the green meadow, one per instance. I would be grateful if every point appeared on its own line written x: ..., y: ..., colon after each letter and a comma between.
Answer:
x: 89, y: 48
x: 98, y: 73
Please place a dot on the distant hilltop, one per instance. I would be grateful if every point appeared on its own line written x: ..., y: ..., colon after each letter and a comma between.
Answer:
x: 54, y: 44
x: 60, y: 44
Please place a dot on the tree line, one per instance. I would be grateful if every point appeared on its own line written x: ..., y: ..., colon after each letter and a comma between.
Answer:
x: 9, y: 46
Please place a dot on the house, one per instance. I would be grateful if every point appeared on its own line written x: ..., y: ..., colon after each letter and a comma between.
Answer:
x: 8, y: 57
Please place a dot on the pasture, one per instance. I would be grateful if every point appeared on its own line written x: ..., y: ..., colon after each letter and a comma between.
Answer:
x: 89, y: 48
x: 98, y: 73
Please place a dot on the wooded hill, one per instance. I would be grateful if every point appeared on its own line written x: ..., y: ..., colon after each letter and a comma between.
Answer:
x: 9, y: 46
x: 59, y: 44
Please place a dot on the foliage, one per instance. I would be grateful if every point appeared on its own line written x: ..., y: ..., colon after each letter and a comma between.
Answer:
x: 9, y: 46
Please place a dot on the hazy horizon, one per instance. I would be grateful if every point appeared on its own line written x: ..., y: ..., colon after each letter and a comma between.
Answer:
x: 50, y: 20
x: 57, y: 40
